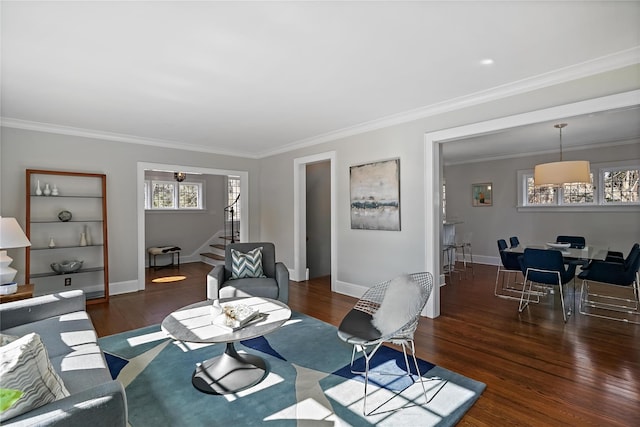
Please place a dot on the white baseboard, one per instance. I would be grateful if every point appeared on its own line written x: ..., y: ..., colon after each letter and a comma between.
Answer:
x: 123, y: 287
x: 349, y: 289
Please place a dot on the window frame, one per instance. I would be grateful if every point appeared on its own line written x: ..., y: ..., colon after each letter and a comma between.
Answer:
x: 148, y: 195
x: 599, y: 202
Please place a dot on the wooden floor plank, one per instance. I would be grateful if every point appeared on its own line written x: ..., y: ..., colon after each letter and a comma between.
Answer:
x: 538, y: 370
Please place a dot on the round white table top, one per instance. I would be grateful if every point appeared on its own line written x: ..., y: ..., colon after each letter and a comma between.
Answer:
x: 194, y: 323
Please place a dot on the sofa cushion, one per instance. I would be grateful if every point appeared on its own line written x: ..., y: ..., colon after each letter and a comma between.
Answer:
x: 26, y: 372
x: 60, y: 334
x: 247, y: 265
x: 264, y: 287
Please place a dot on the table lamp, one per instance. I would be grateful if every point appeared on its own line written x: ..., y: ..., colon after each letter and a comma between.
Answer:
x: 11, y: 236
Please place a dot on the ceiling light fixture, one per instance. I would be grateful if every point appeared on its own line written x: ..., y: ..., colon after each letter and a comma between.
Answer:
x: 486, y: 61
x: 563, y: 172
x: 180, y: 176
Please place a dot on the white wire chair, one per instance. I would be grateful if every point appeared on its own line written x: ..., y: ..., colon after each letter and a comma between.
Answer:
x: 356, y: 329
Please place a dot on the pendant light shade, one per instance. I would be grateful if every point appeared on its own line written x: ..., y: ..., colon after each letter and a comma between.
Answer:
x: 562, y: 172
x: 558, y: 173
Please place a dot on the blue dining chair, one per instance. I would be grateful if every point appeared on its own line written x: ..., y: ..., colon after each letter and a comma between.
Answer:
x: 509, y: 265
x: 612, y: 276
x: 547, y: 267
x: 514, y: 241
x: 577, y: 242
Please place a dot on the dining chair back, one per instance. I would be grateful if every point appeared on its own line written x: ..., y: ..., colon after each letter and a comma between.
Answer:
x: 514, y: 241
x: 547, y: 267
x: 509, y: 265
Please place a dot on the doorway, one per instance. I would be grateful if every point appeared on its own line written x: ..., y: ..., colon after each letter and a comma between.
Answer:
x: 142, y: 167
x: 300, y: 214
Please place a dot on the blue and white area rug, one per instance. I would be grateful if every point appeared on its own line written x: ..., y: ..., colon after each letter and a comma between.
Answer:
x: 309, y: 383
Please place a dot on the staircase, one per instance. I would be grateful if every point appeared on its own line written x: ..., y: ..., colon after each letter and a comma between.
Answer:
x: 216, y: 255
x: 231, y: 235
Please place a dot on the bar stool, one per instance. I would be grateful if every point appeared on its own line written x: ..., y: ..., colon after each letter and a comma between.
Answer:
x: 465, y: 246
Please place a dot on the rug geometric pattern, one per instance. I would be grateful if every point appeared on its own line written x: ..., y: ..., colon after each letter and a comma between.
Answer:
x: 309, y: 383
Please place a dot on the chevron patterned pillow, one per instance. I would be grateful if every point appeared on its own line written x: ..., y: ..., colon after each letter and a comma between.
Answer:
x: 247, y: 265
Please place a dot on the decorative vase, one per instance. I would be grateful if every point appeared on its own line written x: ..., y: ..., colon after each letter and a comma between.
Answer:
x: 47, y: 190
x: 54, y: 191
x: 38, y: 189
x: 216, y: 309
x: 52, y: 244
x: 87, y: 235
x: 83, y: 239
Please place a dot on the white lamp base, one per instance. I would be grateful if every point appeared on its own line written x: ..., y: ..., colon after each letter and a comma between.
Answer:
x: 7, y: 274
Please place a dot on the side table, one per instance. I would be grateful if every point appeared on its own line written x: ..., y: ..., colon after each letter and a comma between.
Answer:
x: 23, y: 292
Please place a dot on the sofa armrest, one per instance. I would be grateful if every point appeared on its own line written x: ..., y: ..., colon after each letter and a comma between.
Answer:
x: 102, y: 405
x: 282, y: 278
x: 29, y: 310
x: 215, y: 279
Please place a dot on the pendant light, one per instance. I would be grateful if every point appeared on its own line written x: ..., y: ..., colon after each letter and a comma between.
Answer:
x: 556, y: 174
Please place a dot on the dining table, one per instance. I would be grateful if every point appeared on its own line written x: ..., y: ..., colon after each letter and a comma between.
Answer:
x: 587, y: 253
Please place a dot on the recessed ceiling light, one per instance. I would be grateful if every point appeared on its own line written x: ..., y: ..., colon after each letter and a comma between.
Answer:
x: 486, y: 61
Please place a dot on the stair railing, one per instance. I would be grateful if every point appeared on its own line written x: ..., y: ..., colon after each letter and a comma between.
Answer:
x: 231, y: 209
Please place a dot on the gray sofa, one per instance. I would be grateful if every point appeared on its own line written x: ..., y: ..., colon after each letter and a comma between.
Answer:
x: 275, y: 285
x: 71, y: 342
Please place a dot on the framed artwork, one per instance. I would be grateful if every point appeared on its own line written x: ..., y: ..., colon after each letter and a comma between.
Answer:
x: 482, y: 194
x: 375, y: 195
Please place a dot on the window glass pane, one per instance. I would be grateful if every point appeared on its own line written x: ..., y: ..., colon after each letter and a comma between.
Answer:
x: 233, y: 184
x: 188, y: 195
x: 539, y: 195
x: 577, y: 193
x: 621, y: 186
x: 163, y: 195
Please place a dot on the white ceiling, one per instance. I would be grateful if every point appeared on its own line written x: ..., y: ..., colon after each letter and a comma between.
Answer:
x: 256, y: 78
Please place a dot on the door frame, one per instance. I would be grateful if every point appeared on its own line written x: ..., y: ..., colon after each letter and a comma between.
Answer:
x: 142, y: 166
x: 300, y: 214
x: 433, y: 165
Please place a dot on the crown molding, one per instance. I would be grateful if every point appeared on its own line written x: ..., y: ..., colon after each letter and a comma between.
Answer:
x: 585, y: 69
x: 10, y: 122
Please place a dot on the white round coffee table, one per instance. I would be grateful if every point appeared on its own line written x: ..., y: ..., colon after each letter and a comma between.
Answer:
x: 231, y: 371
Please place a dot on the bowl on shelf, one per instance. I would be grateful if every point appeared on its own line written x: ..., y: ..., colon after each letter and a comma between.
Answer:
x: 65, y: 267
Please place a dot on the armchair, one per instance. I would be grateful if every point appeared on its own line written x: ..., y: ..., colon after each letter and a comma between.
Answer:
x: 274, y: 284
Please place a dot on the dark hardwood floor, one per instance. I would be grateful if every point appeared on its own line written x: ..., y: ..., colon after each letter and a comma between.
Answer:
x: 538, y: 370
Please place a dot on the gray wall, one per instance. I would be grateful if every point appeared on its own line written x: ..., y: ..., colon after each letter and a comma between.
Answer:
x: 615, y: 228
x: 367, y: 257
x: 188, y: 229
x: 22, y: 149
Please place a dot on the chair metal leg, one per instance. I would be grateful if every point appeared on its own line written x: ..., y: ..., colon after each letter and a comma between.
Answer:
x: 367, y: 358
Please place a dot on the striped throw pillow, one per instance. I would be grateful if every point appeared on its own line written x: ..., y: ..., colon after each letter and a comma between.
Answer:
x: 27, y: 377
x: 247, y: 265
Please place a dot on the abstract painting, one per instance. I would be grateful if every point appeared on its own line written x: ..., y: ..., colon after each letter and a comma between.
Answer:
x: 375, y: 195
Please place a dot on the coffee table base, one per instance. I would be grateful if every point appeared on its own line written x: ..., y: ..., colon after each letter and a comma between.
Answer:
x: 229, y: 373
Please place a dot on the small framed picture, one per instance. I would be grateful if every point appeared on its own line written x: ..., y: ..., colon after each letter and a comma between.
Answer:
x: 482, y: 194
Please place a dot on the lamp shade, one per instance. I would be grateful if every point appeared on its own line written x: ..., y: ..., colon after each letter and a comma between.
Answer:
x: 558, y: 173
x: 11, y: 235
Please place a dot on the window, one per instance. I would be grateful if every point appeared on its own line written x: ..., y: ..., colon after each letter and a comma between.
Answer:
x: 233, y: 187
x: 620, y: 185
x: 173, y: 195
x: 613, y: 184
